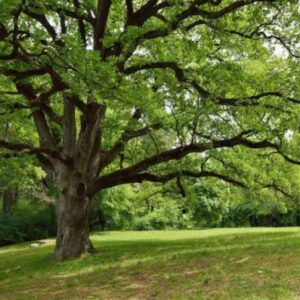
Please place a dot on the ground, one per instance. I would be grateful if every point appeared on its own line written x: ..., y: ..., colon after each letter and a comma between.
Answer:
x: 244, y: 263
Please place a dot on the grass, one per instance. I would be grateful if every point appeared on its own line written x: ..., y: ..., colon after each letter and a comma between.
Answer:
x: 245, y: 263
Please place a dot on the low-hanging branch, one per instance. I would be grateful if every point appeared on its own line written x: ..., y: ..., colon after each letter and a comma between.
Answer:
x: 120, y: 176
x: 140, y: 177
x: 27, y: 149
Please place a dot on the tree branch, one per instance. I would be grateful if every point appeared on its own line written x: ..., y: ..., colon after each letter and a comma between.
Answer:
x: 109, y: 156
x: 129, y: 8
x: 181, y: 77
x: 81, y: 25
x: 141, y: 177
x: 121, y: 176
x: 228, y: 9
x: 101, y: 22
x: 27, y: 149
x: 45, y: 23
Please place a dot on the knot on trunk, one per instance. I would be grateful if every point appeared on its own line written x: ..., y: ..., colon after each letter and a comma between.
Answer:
x: 81, y: 189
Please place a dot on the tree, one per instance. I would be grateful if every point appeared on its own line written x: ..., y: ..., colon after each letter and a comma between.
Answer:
x: 271, y: 197
x: 19, y: 174
x: 129, y: 91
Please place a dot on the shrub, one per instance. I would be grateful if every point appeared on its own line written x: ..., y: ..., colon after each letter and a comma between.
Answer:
x: 29, y: 221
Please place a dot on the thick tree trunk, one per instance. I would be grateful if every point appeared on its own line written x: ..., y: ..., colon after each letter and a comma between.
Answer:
x: 72, y: 177
x: 72, y: 213
x: 72, y: 238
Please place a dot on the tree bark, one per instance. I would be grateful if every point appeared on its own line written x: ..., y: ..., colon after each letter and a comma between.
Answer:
x: 72, y: 238
x: 72, y: 212
x: 73, y: 204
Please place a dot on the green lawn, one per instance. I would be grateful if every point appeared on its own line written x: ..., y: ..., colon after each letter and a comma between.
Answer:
x: 205, y: 264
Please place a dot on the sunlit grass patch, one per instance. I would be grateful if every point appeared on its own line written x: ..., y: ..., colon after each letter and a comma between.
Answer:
x: 245, y: 263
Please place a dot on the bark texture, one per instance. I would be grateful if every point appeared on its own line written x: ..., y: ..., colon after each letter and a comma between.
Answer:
x: 72, y: 228
x: 72, y: 211
x: 73, y: 204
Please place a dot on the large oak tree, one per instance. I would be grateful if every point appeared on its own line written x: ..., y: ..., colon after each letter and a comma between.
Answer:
x: 126, y: 91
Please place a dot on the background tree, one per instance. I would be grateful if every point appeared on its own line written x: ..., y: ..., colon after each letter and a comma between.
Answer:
x: 131, y: 91
x: 18, y: 173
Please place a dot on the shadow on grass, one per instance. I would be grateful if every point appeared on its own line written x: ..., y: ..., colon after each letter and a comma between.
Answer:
x: 30, y: 271
x: 124, y: 254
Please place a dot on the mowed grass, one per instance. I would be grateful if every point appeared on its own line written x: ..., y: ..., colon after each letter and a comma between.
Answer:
x: 245, y: 263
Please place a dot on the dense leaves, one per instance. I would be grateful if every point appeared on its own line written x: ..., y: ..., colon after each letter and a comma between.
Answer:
x: 117, y: 92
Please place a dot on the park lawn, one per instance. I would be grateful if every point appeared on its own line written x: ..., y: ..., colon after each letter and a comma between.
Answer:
x: 244, y: 263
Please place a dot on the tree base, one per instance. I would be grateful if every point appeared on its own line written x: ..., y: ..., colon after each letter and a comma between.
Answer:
x: 65, y: 252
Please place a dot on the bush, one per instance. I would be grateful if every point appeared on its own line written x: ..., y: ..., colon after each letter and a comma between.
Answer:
x: 28, y: 221
x: 167, y: 216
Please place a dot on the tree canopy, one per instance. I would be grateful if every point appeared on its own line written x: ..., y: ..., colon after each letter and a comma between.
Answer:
x: 114, y: 92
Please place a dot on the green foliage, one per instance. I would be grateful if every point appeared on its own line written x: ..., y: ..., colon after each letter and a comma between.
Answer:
x: 167, y: 216
x: 19, y: 172
x: 271, y: 198
x: 249, y: 213
x: 139, y: 207
x: 207, y: 93
x: 207, y: 208
x: 112, y: 209
x: 29, y: 221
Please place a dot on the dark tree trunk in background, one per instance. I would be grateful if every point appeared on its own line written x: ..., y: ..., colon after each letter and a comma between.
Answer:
x: 253, y: 221
x: 101, y: 219
x: 10, y: 197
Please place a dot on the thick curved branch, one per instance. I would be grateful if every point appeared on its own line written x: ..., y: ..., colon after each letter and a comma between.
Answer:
x: 228, y: 9
x: 120, y: 176
x: 27, y: 149
x: 42, y: 99
x: 179, y: 73
x: 281, y: 41
x: 11, y: 107
x: 45, y: 134
x: 141, y: 177
x: 72, y: 14
x: 288, y: 159
x: 181, y: 77
x: 45, y: 23
x: 145, y: 12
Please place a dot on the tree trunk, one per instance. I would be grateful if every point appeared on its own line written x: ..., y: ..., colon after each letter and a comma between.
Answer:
x: 72, y: 238
x: 72, y: 177
x: 72, y: 213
